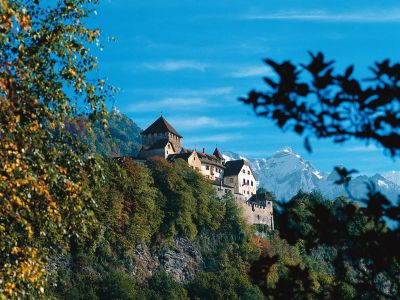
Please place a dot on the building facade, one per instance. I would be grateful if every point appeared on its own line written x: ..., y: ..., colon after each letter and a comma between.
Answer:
x: 160, y: 139
x: 212, y: 167
x: 233, y: 177
x: 190, y: 157
x: 238, y: 173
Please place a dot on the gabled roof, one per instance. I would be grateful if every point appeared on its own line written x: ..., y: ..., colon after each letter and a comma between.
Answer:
x: 182, y: 155
x: 160, y: 126
x: 233, y: 167
x: 218, y: 154
x: 210, y: 159
x: 260, y: 199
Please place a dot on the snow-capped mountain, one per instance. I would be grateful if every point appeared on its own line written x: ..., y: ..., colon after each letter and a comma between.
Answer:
x: 393, y: 176
x: 229, y: 155
x: 285, y: 173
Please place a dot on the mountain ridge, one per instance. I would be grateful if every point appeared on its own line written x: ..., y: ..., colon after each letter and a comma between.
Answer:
x: 285, y: 173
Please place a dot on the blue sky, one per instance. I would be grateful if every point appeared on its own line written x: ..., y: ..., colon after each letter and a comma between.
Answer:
x: 191, y: 60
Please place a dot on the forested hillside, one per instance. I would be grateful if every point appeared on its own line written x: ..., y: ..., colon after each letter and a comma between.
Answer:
x: 78, y: 224
x: 160, y: 233
x: 120, y: 138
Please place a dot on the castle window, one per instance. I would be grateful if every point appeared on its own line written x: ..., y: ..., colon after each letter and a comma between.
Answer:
x: 248, y: 172
x: 244, y: 181
x: 244, y: 171
x: 231, y: 180
x: 252, y: 183
x: 207, y: 167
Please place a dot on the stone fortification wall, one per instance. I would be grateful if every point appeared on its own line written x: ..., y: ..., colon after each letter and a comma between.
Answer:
x: 256, y: 214
x: 153, y: 153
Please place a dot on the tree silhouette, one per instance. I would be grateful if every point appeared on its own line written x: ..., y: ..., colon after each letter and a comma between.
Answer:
x: 314, y: 100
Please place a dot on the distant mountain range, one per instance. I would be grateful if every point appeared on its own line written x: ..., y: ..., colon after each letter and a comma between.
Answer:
x: 393, y: 176
x: 285, y: 173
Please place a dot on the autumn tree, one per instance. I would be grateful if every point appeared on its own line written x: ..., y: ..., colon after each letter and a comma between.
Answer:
x: 45, y: 80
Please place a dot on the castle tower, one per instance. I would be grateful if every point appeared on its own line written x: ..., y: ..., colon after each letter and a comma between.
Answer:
x: 161, y: 131
x: 219, y: 155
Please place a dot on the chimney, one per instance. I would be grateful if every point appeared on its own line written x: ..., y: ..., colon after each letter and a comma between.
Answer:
x: 203, y: 149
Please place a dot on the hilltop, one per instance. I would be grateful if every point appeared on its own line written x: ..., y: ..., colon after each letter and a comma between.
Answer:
x: 284, y: 172
x: 124, y: 132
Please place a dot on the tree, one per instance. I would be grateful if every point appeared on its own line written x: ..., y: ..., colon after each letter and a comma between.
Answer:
x: 186, y: 198
x: 314, y: 100
x: 45, y: 80
x: 227, y: 284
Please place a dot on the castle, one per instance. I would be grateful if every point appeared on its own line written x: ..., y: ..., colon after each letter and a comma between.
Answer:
x: 236, y: 177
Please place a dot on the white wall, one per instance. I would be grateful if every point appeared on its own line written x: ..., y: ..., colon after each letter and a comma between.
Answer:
x: 212, y: 173
x: 245, y: 176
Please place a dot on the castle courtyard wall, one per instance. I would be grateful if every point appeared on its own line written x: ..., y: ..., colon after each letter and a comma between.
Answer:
x: 256, y: 214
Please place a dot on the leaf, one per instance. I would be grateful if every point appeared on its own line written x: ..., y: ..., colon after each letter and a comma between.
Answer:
x: 307, y: 144
x: 349, y: 71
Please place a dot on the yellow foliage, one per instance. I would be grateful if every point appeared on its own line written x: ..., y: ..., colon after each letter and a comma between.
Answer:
x: 4, y: 4
x: 40, y: 177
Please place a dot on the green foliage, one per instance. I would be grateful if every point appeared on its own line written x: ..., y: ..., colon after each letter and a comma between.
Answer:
x: 45, y: 173
x: 188, y: 201
x: 163, y: 287
x: 358, y: 249
x: 120, y: 138
x: 227, y: 284
x: 116, y: 284
x: 325, y: 249
x: 150, y: 205
x: 233, y: 221
x: 129, y: 202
